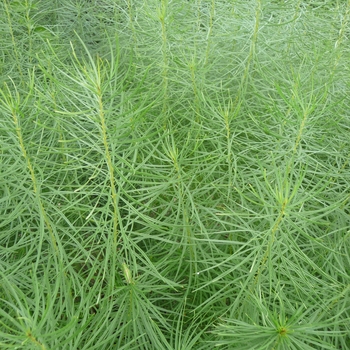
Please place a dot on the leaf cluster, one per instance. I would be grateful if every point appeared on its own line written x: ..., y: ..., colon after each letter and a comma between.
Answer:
x: 174, y: 175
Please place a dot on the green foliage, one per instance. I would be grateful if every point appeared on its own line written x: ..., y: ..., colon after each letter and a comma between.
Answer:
x: 174, y: 174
